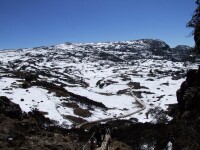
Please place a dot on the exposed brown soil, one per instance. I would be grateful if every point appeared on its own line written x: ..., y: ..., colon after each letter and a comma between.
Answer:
x: 82, y: 112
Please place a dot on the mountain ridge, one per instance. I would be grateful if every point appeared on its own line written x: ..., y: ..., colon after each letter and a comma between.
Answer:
x: 134, y: 49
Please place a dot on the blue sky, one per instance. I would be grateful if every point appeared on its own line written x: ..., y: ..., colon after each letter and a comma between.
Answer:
x: 30, y: 23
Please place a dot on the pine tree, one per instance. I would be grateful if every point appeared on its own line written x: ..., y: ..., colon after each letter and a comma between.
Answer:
x: 195, y: 23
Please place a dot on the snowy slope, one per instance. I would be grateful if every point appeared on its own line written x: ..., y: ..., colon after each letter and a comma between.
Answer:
x: 102, y: 72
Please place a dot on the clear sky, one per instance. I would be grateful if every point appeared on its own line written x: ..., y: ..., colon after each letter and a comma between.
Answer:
x: 30, y: 23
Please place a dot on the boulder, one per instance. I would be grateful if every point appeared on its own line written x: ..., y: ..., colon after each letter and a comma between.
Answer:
x: 9, y: 108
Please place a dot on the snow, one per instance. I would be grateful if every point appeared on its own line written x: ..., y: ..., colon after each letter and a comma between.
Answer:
x: 67, y: 61
x: 169, y: 145
x: 114, y: 101
x: 35, y: 97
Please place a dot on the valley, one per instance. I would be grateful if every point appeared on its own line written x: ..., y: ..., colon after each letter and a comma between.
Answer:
x: 76, y: 83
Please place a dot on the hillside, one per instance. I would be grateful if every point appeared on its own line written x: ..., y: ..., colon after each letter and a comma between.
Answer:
x: 72, y: 83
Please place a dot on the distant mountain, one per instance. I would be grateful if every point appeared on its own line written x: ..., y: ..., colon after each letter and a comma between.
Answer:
x: 126, y: 50
x: 183, y: 53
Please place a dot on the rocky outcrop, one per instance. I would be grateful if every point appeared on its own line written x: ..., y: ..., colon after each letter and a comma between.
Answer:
x: 20, y: 130
x: 10, y: 109
x: 188, y: 96
x: 185, y: 129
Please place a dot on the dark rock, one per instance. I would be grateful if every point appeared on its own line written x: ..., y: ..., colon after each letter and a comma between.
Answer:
x: 191, y: 77
x: 188, y: 96
x: 9, y: 108
x: 124, y: 91
x: 166, y: 83
x: 25, y: 85
x: 149, y: 79
x: 30, y: 77
x: 198, y: 77
x: 40, y: 118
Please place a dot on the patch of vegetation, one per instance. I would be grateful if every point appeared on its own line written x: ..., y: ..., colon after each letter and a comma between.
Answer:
x: 75, y: 120
x: 70, y: 105
x: 136, y: 85
x: 82, y: 112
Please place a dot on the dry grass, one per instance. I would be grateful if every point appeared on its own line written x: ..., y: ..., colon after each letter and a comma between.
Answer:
x: 77, y: 120
x: 82, y: 112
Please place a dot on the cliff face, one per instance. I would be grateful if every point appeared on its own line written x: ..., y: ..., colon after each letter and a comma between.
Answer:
x: 185, y: 129
x: 188, y: 96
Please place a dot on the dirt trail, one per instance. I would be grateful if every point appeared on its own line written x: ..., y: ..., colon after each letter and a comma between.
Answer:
x: 119, y: 117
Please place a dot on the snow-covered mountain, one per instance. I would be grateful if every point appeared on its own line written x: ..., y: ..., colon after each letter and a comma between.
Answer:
x: 78, y: 82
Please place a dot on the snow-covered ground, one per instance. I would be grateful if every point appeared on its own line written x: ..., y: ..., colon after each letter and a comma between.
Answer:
x: 108, y: 82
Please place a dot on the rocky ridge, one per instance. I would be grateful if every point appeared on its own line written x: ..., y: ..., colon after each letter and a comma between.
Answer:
x: 120, y: 51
